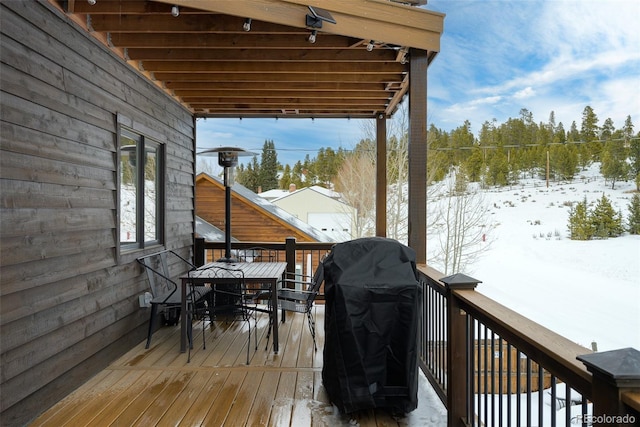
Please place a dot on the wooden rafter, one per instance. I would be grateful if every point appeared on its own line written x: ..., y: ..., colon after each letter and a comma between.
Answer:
x: 357, y: 67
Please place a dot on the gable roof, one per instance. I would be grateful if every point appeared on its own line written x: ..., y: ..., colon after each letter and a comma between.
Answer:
x: 315, y: 188
x: 269, y: 209
x: 358, y: 66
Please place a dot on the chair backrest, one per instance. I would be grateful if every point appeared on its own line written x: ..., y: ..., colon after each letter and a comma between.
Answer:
x: 318, y: 278
x: 255, y: 254
x: 158, y: 273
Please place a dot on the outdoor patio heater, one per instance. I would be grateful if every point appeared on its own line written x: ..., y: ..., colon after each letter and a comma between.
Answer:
x: 228, y: 159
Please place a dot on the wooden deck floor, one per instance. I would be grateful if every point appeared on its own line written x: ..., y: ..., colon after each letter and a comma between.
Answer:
x: 157, y: 387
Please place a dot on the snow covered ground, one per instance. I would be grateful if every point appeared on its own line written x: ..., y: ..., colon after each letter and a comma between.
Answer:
x: 587, y: 291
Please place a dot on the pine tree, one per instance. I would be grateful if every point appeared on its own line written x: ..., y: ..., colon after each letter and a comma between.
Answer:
x: 268, y: 174
x: 580, y: 226
x: 606, y: 222
x: 634, y: 215
x: 589, y: 128
x: 614, y: 164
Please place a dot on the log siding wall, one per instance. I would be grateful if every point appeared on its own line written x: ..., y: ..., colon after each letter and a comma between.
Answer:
x: 68, y: 298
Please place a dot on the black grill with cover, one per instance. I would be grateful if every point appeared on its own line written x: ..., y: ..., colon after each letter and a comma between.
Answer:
x: 371, y: 320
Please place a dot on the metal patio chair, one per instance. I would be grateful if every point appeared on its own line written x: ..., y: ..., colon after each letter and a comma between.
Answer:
x: 166, y: 296
x: 301, y: 300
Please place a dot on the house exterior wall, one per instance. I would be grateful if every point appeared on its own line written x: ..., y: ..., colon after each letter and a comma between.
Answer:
x: 248, y: 224
x: 324, y: 213
x: 69, y: 297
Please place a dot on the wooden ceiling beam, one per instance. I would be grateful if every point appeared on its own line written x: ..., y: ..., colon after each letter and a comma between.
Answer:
x: 205, y: 23
x: 228, y: 41
x: 378, y: 20
x: 311, y: 79
x: 275, y: 67
x: 276, y: 94
x: 290, y: 102
x: 279, y: 86
x: 265, y: 54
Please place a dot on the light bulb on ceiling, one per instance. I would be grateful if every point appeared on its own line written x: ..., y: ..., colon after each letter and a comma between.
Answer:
x: 370, y: 46
x: 175, y: 11
x: 312, y: 36
x: 246, y: 26
x: 91, y: 2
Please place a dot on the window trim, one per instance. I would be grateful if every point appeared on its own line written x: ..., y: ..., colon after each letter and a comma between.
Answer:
x: 161, y: 155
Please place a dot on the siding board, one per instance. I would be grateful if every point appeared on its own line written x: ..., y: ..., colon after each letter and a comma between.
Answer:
x: 68, y: 304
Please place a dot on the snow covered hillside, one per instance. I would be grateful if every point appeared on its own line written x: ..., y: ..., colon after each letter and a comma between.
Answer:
x: 587, y: 291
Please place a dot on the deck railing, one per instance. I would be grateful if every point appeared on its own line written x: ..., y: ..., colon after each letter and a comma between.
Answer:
x: 493, y: 367
x: 489, y: 365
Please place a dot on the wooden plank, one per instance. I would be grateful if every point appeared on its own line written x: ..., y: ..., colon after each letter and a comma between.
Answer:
x: 218, y: 413
x: 283, y: 403
x: 147, y: 407
x: 239, y: 413
x: 175, y: 411
x: 260, y: 411
x: 103, y: 381
x: 116, y: 406
x: 202, y: 404
x: 301, y: 412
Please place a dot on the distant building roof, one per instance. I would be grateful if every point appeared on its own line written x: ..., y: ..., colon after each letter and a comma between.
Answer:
x: 209, y: 231
x: 324, y: 191
x: 274, y: 210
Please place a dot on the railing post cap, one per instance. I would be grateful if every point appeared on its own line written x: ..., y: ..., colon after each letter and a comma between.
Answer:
x: 620, y: 367
x: 460, y: 281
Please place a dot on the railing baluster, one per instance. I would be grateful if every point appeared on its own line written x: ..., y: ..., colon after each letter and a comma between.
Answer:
x: 518, y: 389
x: 528, y: 381
x: 509, y: 367
x: 553, y: 400
x: 493, y: 379
x: 540, y: 396
x: 500, y: 385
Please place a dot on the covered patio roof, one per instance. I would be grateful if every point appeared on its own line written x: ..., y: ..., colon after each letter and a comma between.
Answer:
x: 254, y: 58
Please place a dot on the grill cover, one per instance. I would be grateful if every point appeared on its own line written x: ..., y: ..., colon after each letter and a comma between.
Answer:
x: 371, y: 320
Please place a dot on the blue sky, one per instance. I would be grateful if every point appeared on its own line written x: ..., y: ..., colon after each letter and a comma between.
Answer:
x: 496, y: 58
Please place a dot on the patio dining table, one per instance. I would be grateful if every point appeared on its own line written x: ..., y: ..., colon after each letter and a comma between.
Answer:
x: 270, y: 273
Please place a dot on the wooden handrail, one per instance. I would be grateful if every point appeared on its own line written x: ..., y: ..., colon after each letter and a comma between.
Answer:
x: 553, y: 351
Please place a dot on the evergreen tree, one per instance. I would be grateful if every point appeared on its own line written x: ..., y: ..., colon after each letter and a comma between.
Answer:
x: 250, y: 176
x: 634, y: 148
x: 297, y: 175
x: 268, y: 173
x: 606, y: 222
x: 634, y: 215
x: 286, y: 179
x: 589, y: 128
x: 580, y: 225
x: 607, y: 129
x: 564, y: 160
x: 559, y: 135
x: 473, y: 165
x: 573, y: 135
x: 498, y: 170
x: 614, y: 164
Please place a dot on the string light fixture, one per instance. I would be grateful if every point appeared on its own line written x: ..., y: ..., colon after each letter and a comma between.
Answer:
x: 175, y: 11
x: 91, y: 2
x: 312, y: 36
x: 246, y: 26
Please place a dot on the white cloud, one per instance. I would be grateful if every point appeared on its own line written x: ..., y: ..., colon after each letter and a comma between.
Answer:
x: 527, y: 92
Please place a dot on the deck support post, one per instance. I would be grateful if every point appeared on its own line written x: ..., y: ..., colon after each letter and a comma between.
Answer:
x: 381, y: 176
x: 615, y: 373
x: 457, y: 339
x: 417, y: 188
